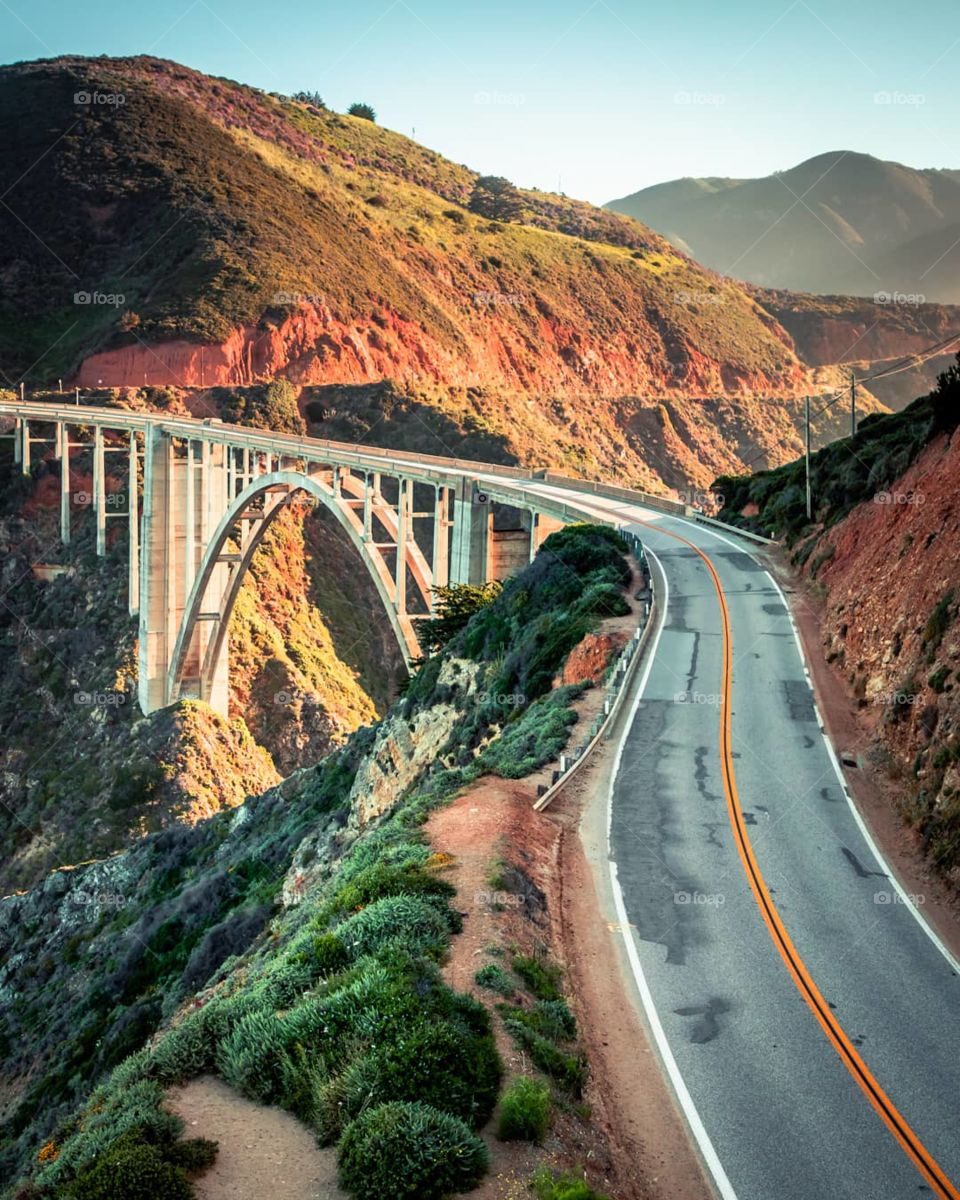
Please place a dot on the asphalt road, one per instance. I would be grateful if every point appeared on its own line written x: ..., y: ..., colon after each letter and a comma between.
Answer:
x: 778, y: 1110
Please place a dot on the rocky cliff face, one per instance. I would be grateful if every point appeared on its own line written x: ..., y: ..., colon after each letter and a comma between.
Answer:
x: 892, y: 593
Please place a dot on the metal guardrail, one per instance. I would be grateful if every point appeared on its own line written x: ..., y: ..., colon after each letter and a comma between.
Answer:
x: 617, y: 679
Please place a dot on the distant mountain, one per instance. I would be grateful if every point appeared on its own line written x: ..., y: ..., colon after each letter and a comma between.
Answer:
x: 838, y: 223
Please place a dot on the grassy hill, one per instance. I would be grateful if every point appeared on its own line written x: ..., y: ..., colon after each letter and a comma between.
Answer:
x: 839, y: 222
x: 226, y: 236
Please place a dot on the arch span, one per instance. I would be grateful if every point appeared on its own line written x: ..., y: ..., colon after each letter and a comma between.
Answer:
x: 198, y: 664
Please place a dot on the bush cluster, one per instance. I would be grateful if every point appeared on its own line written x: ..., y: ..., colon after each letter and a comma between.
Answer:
x: 525, y: 1109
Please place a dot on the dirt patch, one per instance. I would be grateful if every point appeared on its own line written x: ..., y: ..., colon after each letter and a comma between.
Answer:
x: 264, y: 1152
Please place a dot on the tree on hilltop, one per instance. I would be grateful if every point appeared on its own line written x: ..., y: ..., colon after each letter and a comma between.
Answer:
x: 313, y: 98
x: 366, y: 111
x: 496, y: 198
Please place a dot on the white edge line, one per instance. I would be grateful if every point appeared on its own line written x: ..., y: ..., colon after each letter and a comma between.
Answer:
x: 682, y: 1092
x: 875, y: 850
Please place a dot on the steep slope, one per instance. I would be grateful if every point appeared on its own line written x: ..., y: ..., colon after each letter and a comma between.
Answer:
x: 292, y: 946
x: 839, y: 222
x: 883, y: 550
x: 219, y: 236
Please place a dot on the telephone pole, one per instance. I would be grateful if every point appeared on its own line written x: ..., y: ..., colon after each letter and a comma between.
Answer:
x: 806, y: 453
x: 853, y: 402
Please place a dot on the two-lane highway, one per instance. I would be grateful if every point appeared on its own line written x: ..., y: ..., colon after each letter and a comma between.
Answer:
x: 807, y: 1017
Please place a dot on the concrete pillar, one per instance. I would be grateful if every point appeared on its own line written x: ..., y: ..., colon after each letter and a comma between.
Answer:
x: 17, y: 441
x: 63, y: 449
x: 152, y: 658
x: 25, y: 447
x: 163, y: 571
x: 404, y: 506
x: 542, y: 528
x: 471, y: 534
x: 367, y: 508
x: 133, y: 529
x: 190, y: 522
x: 441, y: 537
x: 99, y: 491
x: 246, y: 466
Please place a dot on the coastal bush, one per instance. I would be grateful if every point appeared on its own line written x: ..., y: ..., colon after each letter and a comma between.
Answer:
x: 495, y: 978
x: 396, y: 1150
x: 525, y: 1109
x: 562, y: 1185
x: 541, y: 977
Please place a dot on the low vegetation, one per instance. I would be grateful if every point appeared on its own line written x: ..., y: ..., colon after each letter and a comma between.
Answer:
x: 332, y: 1006
x: 844, y: 473
x: 525, y: 1110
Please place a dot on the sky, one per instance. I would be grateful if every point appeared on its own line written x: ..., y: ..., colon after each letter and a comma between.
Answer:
x: 595, y: 98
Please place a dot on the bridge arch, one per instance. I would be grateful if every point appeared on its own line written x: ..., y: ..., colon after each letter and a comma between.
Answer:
x: 198, y: 664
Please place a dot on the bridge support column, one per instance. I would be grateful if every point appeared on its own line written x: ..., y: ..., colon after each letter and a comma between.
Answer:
x: 163, y: 570
x: 21, y: 446
x: 542, y: 527
x: 63, y: 453
x: 133, y: 527
x: 471, y: 537
x: 99, y: 492
x: 441, y: 539
x: 404, y: 509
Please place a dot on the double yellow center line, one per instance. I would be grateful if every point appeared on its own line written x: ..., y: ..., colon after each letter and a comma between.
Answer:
x: 922, y: 1159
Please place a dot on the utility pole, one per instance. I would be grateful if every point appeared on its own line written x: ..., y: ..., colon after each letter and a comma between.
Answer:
x: 806, y: 413
x: 853, y: 402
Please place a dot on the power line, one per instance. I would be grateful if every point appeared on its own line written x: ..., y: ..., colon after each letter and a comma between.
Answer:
x: 911, y: 360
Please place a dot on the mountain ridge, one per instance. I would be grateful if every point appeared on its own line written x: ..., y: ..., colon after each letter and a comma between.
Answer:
x: 782, y: 230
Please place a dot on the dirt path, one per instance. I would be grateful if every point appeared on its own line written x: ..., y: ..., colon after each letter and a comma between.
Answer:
x: 265, y: 1153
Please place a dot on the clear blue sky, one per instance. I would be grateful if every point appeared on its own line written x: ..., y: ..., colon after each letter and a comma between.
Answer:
x: 596, y: 97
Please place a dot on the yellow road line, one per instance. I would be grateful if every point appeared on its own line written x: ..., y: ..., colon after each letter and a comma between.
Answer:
x: 921, y: 1158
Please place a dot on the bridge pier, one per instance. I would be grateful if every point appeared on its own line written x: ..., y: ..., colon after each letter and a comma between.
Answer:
x: 183, y: 501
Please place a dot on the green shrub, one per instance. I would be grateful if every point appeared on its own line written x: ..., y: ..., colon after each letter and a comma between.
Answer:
x: 562, y: 1185
x: 131, y: 1169
x: 569, y: 1070
x: 550, y: 1018
x: 329, y: 952
x: 397, y: 1150
x: 495, y: 978
x: 380, y: 880
x: 541, y: 978
x: 443, y: 1064
x: 524, y: 1111
x: 194, y: 1154
x: 408, y: 919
